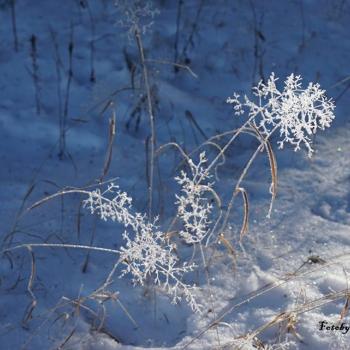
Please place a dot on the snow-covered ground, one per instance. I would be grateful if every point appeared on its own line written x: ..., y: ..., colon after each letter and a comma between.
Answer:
x: 295, y: 264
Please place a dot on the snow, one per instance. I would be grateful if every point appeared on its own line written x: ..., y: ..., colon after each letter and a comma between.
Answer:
x: 289, y: 262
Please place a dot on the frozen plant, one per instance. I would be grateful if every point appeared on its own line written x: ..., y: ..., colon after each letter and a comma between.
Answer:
x: 137, y: 15
x: 147, y: 253
x: 295, y: 111
x: 193, y: 207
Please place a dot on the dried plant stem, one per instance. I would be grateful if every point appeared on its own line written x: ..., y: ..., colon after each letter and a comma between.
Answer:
x: 92, y: 44
x: 66, y: 340
x: 63, y: 130
x: 211, y: 296
x: 258, y: 39
x: 176, y: 43
x: 193, y: 121
x: 108, y: 280
x: 14, y: 24
x: 9, y: 236
x: 58, y: 65
x: 209, y: 141
x: 59, y: 245
x: 82, y: 190
x: 264, y: 143
x: 286, y: 278
x: 193, y: 30
x: 92, y: 238
x: 108, y: 101
x: 244, y: 228
x: 151, y: 120
x: 33, y: 302
x: 111, y: 137
x: 35, y: 71
x: 21, y: 211
x: 301, y: 309
x: 243, y: 174
x: 302, y: 17
x: 228, y: 144
x: 178, y: 147
x: 175, y: 64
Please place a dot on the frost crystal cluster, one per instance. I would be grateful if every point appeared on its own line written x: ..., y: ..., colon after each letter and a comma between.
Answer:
x: 147, y: 254
x: 137, y: 15
x: 193, y: 206
x: 296, y: 112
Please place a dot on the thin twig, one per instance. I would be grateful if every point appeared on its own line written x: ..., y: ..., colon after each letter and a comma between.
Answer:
x: 179, y: 65
x: 14, y: 24
x: 59, y: 245
x: 151, y: 120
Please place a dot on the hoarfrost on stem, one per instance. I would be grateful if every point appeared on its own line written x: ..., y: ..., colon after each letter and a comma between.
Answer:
x: 147, y: 253
x: 138, y: 15
x: 193, y: 207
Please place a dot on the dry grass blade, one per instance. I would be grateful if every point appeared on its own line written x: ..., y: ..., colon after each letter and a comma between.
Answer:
x: 193, y: 120
x: 28, y: 193
x: 110, y: 335
x: 306, y: 307
x: 79, y: 305
x: 31, y: 186
x: 92, y: 238
x: 219, y: 206
x: 237, y: 132
x: 48, y: 314
x: 273, y: 168
x: 340, y: 82
x: 9, y: 236
x: 177, y: 146
x: 147, y: 141
x: 81, y: 190
x: 291, y: 326
x: 230, y: 249
x: 57, y: 194
x: 66, y: 340
x: 33, y: 303
x: 151, y: 119
x: 206, y: 188
x: 345, y: 309
x: 79, y: 214
x: 273, y: 165
x: 286, y: 278
x: 111, y: 136
x: 106, y: 102
x: 210, y: 141
x: 127, y: 313
x: 244, y: 228
x: 14, y: 24
x: 178, y: 65
x: 290, y: 315
x: 59, y: 245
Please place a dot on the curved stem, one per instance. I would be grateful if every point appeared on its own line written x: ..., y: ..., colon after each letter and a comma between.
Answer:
x: 60, y: 245
x: 151, y: 120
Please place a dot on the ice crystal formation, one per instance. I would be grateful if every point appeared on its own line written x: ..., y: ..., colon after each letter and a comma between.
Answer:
x: 148, y: 253
x: 193, y: 206
x: 294, y: 112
